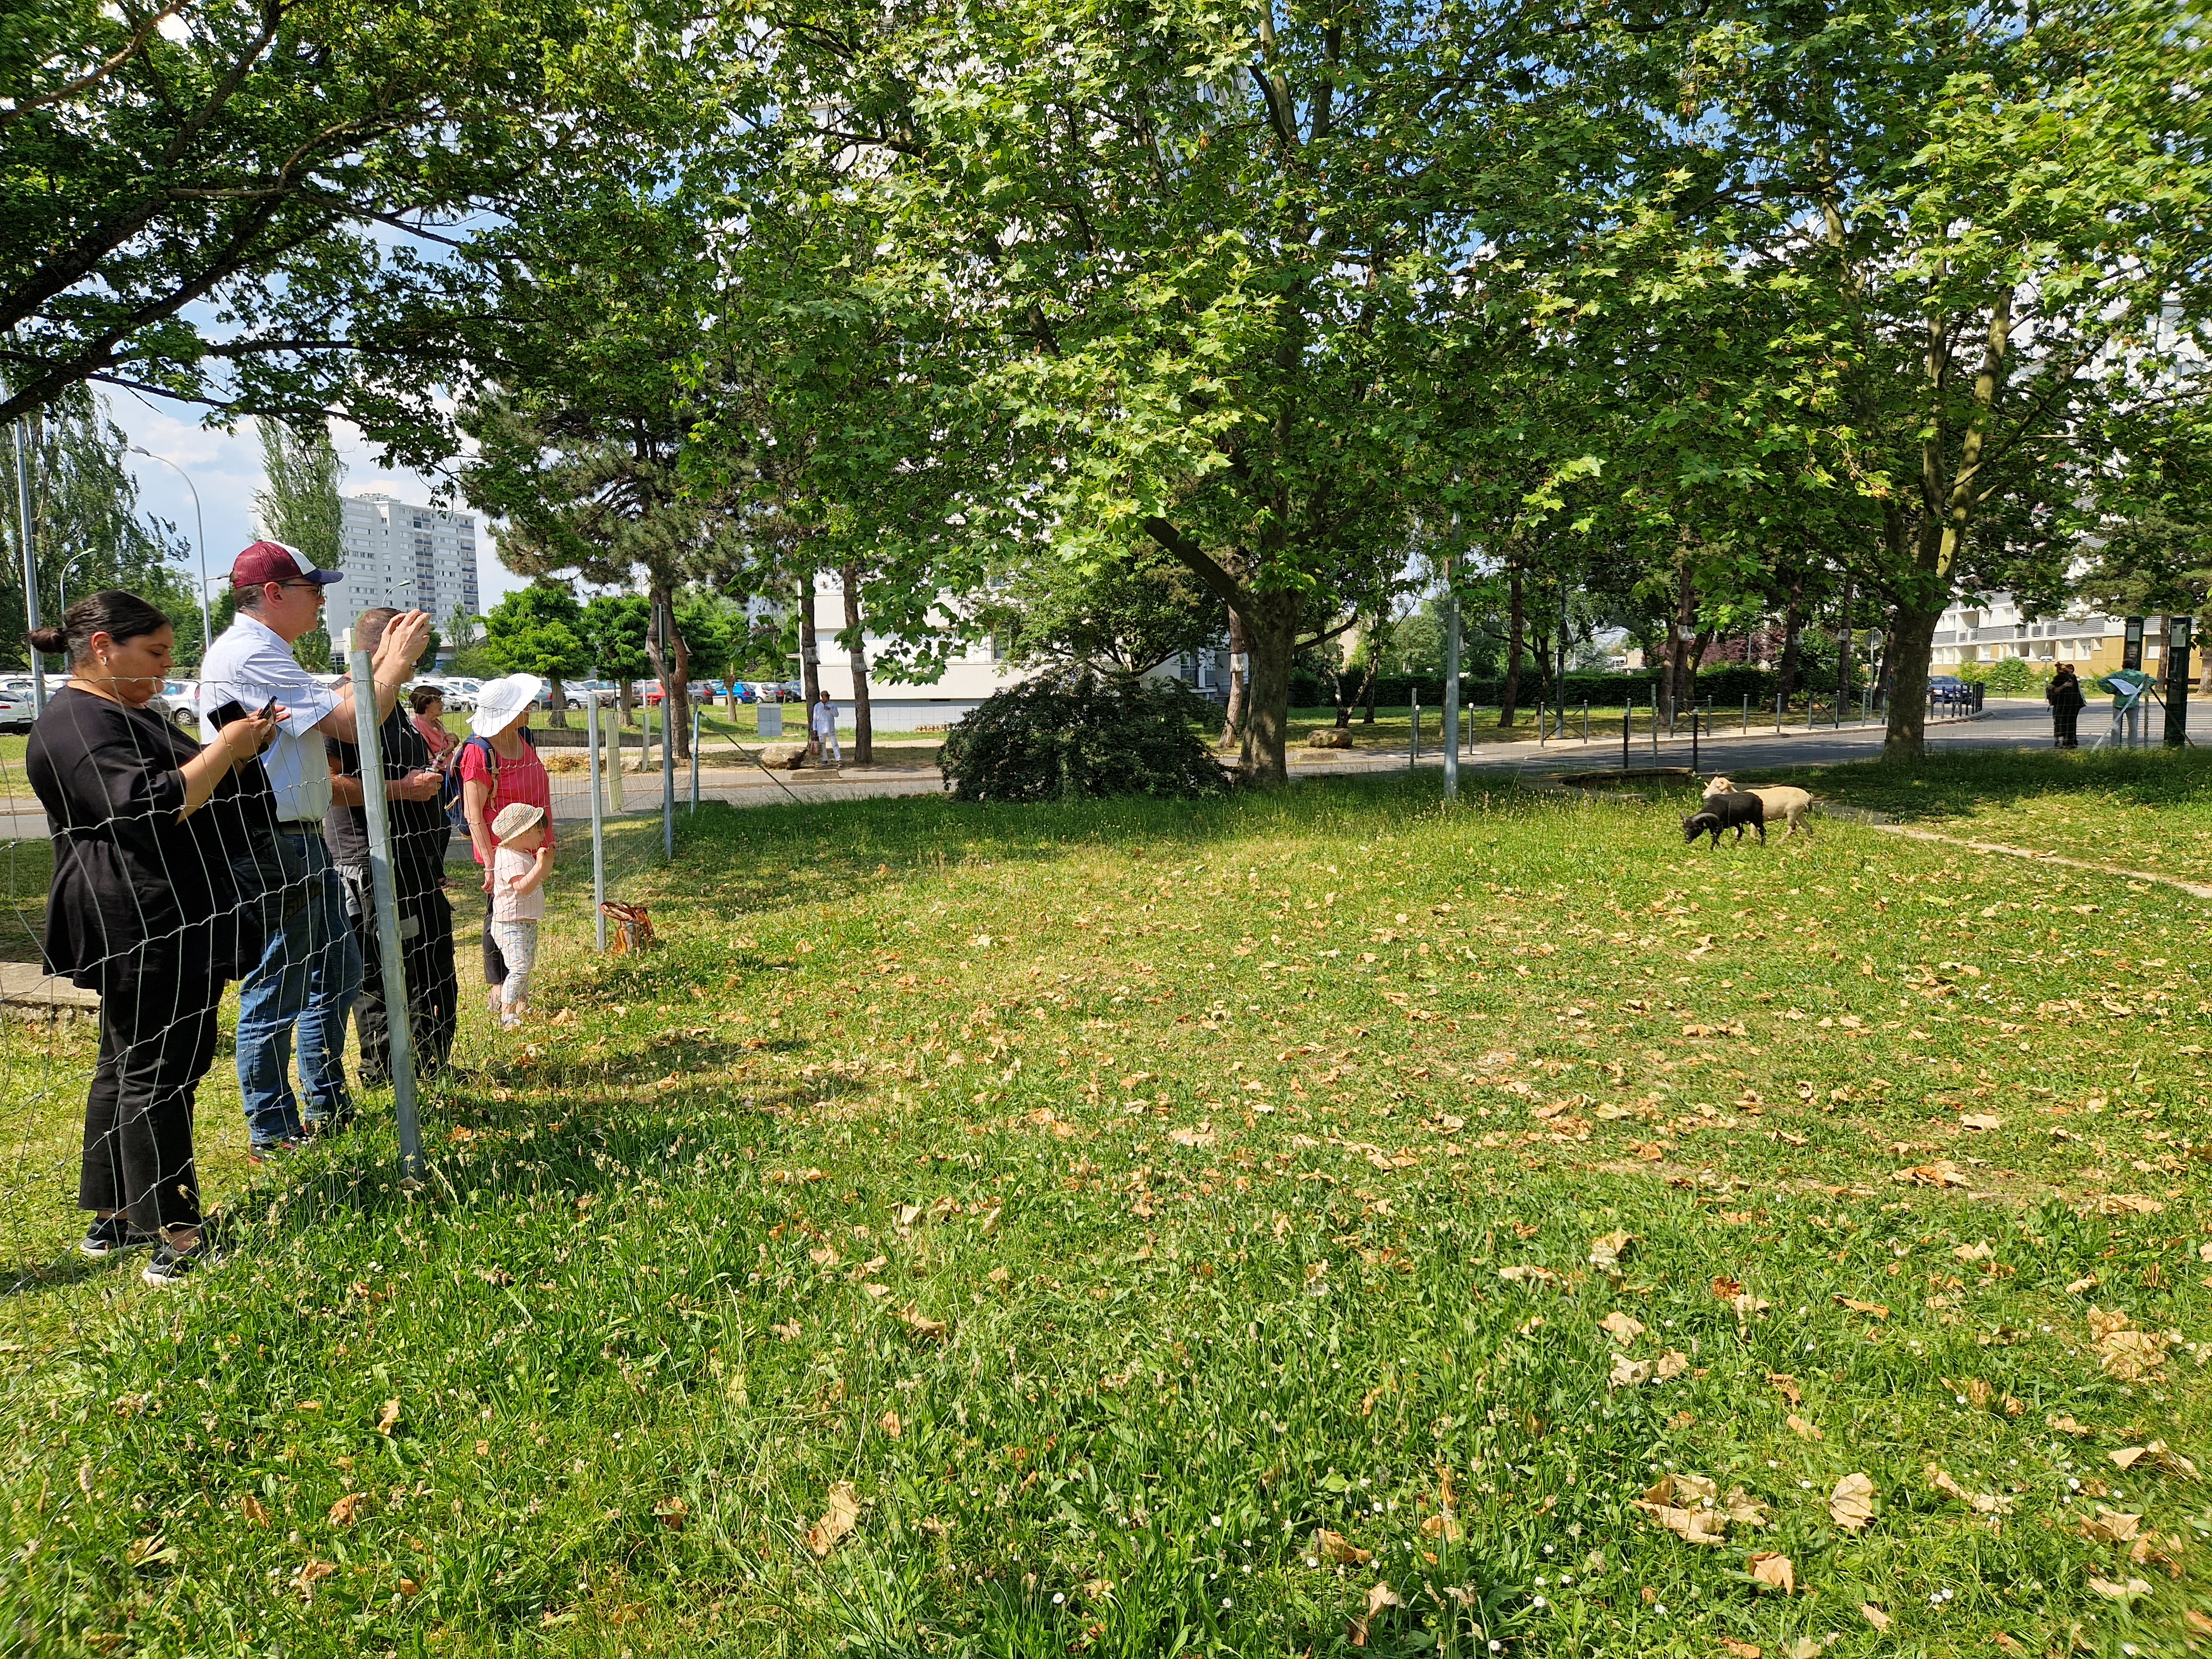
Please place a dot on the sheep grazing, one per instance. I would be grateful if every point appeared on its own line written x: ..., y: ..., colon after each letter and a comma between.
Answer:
x: 1729, y: 811
x: 1791, y: 802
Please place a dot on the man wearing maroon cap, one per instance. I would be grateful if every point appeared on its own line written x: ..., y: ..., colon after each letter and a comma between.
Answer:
x: 310, y: 968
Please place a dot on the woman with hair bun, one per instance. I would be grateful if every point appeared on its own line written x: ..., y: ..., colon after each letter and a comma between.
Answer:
x: 144, y: 910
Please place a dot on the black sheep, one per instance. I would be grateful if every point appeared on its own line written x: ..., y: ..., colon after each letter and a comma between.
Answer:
x: 1737, y: 811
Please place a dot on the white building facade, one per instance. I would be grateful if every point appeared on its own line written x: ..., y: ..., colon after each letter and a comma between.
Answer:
x: 405, y: 556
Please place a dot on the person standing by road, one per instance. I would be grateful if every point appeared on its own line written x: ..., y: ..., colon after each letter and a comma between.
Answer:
x: 824, y: 728
x: 419, y: 833
x: 2065, y: 696
x: 310, y: 967
x: 144, y: 910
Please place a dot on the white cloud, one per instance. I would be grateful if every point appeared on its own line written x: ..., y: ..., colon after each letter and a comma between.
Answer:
x: 226, y: 466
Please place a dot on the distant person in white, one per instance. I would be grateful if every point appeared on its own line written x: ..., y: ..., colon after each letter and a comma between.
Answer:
x: 310, y: 968
x: 825, y: 728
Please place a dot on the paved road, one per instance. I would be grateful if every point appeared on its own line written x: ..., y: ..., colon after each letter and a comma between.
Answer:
x: 2005, y: 724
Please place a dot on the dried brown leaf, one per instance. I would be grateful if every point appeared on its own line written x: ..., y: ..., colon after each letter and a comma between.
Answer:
x: 1851, y: 1505
x: 1774, y: 1572
x: 837, y: 1521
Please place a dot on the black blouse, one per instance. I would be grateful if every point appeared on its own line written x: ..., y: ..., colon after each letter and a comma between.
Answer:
x: 126, y: 871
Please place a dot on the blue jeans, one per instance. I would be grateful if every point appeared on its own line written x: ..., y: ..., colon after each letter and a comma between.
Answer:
x: 309, y: 974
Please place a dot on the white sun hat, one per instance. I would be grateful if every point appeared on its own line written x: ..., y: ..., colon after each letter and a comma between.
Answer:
x: 498, y: 701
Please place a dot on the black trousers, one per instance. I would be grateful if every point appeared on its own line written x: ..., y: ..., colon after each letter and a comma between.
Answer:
x: 2062, y: 727
x: 157, y: 1034
x: 426, y: 955
x: 495, y: 963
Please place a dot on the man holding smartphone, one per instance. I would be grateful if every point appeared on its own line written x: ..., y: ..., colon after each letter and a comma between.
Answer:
x: 420, y: 831
x: 310, y: 966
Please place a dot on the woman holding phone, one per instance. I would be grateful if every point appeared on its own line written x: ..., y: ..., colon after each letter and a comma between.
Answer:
x: 143, y: 910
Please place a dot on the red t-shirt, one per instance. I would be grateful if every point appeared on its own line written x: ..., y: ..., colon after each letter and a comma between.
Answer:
x: 522, y: 779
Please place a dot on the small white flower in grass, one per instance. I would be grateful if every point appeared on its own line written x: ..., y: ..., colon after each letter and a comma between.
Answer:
x: 1058, y: 1597
x: 1540, y: 1583
x: 1806, y: 1485
x: 1538, y: 1602
x: 1224, y: 1601
x: 1375, y: 1508
x: 1567, y: 1578
x: 1313, y: 1560
x: 1661, y: 1609
x: 1217, y: 1520
x: 1498, y: 1647
x: 2127, y: 1648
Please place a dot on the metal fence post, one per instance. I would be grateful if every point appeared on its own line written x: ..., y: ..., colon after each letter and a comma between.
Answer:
x: 599, y: 824
x: 695, y: 757
x: 1450, y: 733
x: 1413, y: 748
x: 38, y: 658
x: 399, y: 1022
x: 667, y: 778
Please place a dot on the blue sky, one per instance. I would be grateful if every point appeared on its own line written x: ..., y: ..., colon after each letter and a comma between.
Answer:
x: 226, y: 466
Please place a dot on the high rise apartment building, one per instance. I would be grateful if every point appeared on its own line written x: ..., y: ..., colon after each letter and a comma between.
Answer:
x: 409, y: 557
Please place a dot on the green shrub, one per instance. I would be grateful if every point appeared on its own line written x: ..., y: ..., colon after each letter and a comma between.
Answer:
x: 1075, y: 735
x: 2009, y: 676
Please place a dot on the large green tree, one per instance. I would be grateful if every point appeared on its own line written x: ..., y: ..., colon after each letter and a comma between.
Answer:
x: 85, y: 525
x: 226, y: 201
x: 539, y: 630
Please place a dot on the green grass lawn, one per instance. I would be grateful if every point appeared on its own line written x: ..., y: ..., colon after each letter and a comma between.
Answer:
x: 2138, y: 809
x: 1264, y: 1227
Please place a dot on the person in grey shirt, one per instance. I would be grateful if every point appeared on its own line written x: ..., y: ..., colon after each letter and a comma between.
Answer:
x: 310, y: 968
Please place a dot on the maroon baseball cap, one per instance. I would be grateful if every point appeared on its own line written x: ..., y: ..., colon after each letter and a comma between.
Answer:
x: 273, y: 561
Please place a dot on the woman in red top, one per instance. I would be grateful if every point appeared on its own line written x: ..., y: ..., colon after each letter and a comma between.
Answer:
x: 499, y: 767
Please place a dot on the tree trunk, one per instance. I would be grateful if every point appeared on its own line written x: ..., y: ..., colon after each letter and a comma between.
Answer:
x: 1232, y: 718
x: 1793, y: 624
x: 1516, y: 621
x: 1270, y: 638
x: 810, y: 649
x: 1910, y: 645
x: 864, y: 728
x: 1367, y: 691
x: 626, y: 700
x: 1340, y: 693
x: 673, y: 670
x: 556, y: 703
x: 1682, y: 658
x: 1843, y: 646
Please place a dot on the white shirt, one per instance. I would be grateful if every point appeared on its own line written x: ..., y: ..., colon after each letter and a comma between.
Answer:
x: 249, y: 664
x: 825, y: 717
x: 509, y: 866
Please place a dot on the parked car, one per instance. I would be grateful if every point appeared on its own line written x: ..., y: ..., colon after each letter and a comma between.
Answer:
x: 15, y: 711
x: 1946, y: 683
x: 180, y: 702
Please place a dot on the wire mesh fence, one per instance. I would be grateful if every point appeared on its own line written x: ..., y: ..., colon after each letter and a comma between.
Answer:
x: 193, y: 965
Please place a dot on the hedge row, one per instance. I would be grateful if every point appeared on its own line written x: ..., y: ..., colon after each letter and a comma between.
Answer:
x: 1724, y: 685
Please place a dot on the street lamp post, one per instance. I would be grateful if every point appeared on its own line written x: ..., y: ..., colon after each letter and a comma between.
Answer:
x: 68, y: 565
x: 199, y: 524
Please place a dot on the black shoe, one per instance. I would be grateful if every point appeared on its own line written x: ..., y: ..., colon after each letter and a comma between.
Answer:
x: 109, y: 1234
x: 257, y: 1156
x: 172, y: 1265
